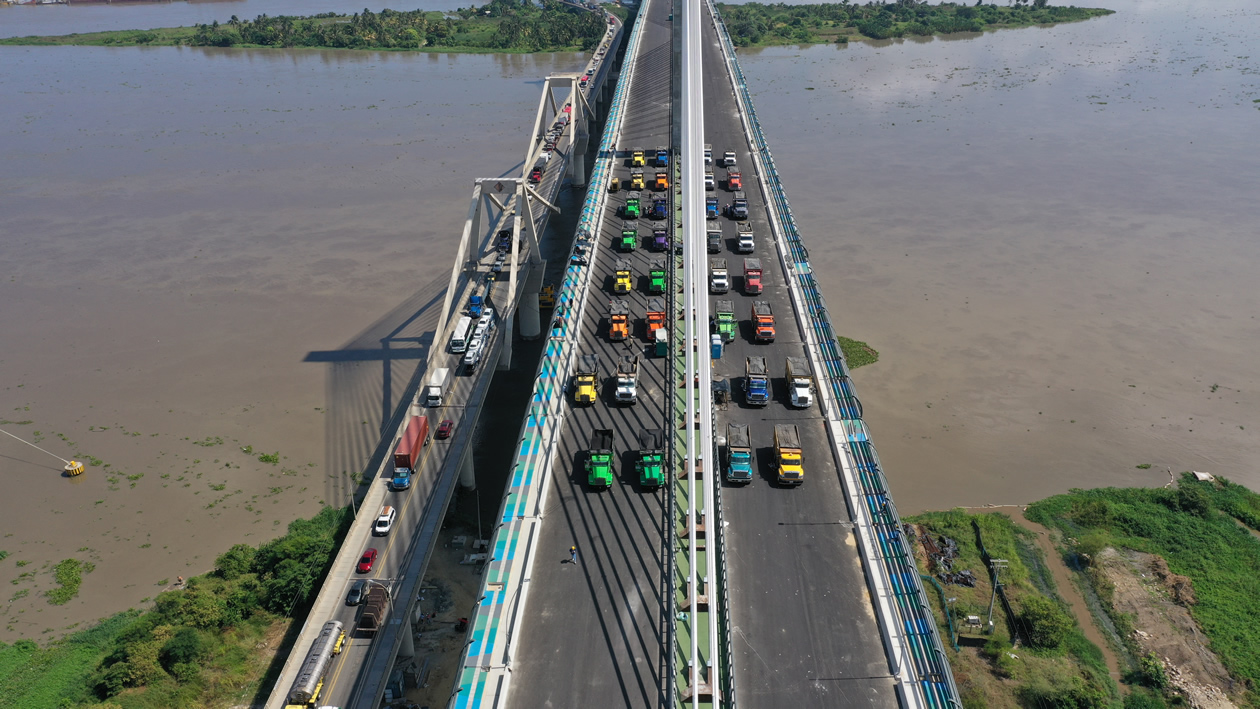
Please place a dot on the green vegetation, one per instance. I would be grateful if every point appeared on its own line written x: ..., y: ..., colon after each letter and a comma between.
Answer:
x: 201, y: 645
x: 1055, y: 665
x: 498, y: 26
x: 755, y: 24
x: 69, y: 575
x: 857, y: 353
x: 272, y: 458
x: 1193, y: 528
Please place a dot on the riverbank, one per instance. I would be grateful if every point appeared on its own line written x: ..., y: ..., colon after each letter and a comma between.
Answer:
x: 758, y: 25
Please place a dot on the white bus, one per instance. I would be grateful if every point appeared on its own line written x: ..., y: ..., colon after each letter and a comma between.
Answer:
x: 459, y: 340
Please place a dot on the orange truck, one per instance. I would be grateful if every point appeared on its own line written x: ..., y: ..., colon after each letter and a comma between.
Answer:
x: 655, y: 317
x: 763, y: 321
x: 619, y: 320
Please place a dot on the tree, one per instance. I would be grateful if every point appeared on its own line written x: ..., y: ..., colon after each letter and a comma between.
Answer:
x: 1045, y: 622
x: 234, y: 562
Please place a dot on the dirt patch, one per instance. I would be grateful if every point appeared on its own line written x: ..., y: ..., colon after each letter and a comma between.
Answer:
x: 1146, y: 591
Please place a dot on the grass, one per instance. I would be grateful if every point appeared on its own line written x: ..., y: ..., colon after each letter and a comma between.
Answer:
x: 857, y: 353
x: 69, y: 576
x: 34, y: 677
x: 1193, y: 528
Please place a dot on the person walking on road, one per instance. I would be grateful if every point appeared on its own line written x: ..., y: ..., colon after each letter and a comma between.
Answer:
x: 573, y: 555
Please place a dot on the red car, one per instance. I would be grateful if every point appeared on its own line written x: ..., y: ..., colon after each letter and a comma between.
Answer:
x: 365, y: 563
x: 445, y: 428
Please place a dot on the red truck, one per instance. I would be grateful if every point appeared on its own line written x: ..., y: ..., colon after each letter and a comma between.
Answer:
x: 763, y: 321
x: 752, y: 276
x: 407, y: 454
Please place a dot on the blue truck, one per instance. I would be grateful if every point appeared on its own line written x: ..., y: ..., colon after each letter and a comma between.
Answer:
x: 475, y: 305
x: 756, y: 382
x: 738, y: 454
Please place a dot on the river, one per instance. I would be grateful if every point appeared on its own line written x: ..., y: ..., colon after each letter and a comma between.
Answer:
x: 1048, y: 233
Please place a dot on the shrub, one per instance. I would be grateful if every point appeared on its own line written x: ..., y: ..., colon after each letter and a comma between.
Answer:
x: 187, y: 646
x: 1045, y: 622
x: 234, y: 562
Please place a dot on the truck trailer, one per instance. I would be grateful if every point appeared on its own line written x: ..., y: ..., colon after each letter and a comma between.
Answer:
x: 375, y: 608
x: 407, y: 453
x: 435, y: 390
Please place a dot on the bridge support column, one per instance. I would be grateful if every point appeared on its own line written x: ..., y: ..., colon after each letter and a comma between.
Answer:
x: 467, y: 473
x: 505, y: 356
x: 408, y: 647
x: 531, y: 318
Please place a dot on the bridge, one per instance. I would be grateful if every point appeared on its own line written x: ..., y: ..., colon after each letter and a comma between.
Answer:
x: 700, y: 591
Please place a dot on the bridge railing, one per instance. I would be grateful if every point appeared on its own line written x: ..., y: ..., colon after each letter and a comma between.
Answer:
x: 911, y: 636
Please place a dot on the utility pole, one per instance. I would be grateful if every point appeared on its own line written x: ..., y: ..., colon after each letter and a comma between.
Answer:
x: 995, y: 566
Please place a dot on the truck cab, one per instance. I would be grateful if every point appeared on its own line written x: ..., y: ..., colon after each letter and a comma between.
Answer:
x: 660, y: 239
x: 586, y: 380
x: 475, y: 304
x: 656, y: 276
x: 746, y: 244
x: 719, y: 280
x: 738, y: 208
x: 756, y: 382
x: 708, y: 154
x: 734, y: 178
x: 621, y: 284
x: 660, y: 208
x: 752, y: 276
x: 535, y: 174
x: 787, y: 455
x: 650, y: 461
x: 618, y: 320
x: 662, y: 181
x: 710, y: 207
x: 738, y: 453
x: 599, y: 459
x: 728, y: 158
x: 709, y: 184
x: 655, y: 317
x: 763, y: 321
x: 627, y: 391
x: 725, y: 319
x: 662, y: 157
x: 633, y: 208
x: 636, y: 179
x: 714, y: 241
x: 629, y: 240
x: 636, y: 157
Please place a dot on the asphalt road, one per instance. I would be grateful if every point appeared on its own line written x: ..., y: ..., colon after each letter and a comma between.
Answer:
x: 804, y: 632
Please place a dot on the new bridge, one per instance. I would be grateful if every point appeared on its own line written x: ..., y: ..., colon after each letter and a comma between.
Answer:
x: 699, y: 591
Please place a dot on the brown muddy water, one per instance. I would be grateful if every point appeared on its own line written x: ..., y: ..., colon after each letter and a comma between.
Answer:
x: 1048, y: 233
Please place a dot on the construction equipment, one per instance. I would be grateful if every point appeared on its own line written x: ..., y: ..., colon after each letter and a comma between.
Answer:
x: 763, y: 321
x: 621, y: 284
x: 787, y: 454
x: 655, y: 317
x: 629, y: 240
x: 756, y: 382
x: 650, y: 464
x: 628, y: 380
x: 725, y: 319
x: 619, y: 320
x: 656, y: 275
x: 599, y: 459
x: 752, y: 276
x: 738, y: 453
x: 719, y: 280
x: 586, y: 380
x: 800, y: 382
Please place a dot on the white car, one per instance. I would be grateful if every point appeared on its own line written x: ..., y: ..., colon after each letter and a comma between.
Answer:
x: 384, y: 521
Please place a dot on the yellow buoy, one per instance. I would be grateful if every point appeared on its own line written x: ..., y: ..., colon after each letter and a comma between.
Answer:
x: 73, y: 468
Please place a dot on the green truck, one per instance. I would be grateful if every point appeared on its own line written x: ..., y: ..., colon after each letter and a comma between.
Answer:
x: 726, y: 325
x: 634, y: 206
x: 657, y: 275
x: 599, y: 459
x: 629, y: 240
x: 650, y: 463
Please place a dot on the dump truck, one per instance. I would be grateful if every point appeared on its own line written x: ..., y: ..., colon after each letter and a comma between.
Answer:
x: 746, y: 243
x: 709, y: 184
x: 636, y: 179
x: 636, y: 157
x: 708, y: 154
x: 407, y: 453
x: 628, y: 380
x: 787, y: 454
x: 710, y: 207
x: 734, y: 178
x: 800, y: 382
x: 752, y: 276
x: 662, y: 157
x: 436, y: 388
x: 756, y: 382
x: 619, y: 320
x: 599, y: 459
x: 738, y: 208
x: 660, y: 208
x: 728, y: 158
x: 661, y: 182
x: 738, y: 453
x: 719, y: 279
x: 650, y: 463
x: 656, y: 275
x: 633, y: 208
x: 660, y: 239
x: 763, y: 321
x: 725, y: 319
x: 475, y: 304
x: 586, y: 380
x: 623, y: 275
x: 713, y: 238
x: 629, y: 240
x: 655, y: 317
x: 375, y: 608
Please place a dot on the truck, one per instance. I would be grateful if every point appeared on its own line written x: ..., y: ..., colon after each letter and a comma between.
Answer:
x: 586, y: 380
x: 662, y: 181
x: 660, y: 208
x: 636, y: 179
x: 655, y: 317
x: 728, y: 158
x: 636, y: 157
x: 436, y: 388
x: 800, y: 382
x: 375, y: 608
x: 627, y: 380
x: 745, y: 233
x: 787, y: 454
x: 662, y: 157
x: 709, y: 184
x: 633, y: 207
x: 738, y: 208
x: 599, y: 459
x: 407, y: 453
x: 660, y: 345
x: 725, y: 319
x: 756, y: 382
x: 763, y: 321
x: 535, y: 174
x: 650, y: 461
x: 752, y: 276
x: 710, y: 207
x: 629, y: 240
x: 660, y: 239
x: 475, y: 304
x: 618, y: 320
x: 623, y: 275
x: 708, y: 154
x: 734, y: 178
x: 719, y: 281
x: 713, y: 237
x: 656, y: 275
x: 738, y: 453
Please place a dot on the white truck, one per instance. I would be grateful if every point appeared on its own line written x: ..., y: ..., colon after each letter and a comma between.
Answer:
x: 719, y: 279
x: 800, y: 382
x: 628, y: 380
x: 436, y: 388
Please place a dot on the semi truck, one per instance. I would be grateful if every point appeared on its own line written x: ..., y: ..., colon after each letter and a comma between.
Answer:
x: 636, y: 179
x: 713, y: 239
x: 709, y: 183
x: 660, y: 208
x: 728, y: 158
x: 627, y: 380
x: 656, y: 275
x: 800, y: 382
x: 752, y: 276
x: 436, y: 388
x: 622, y: 282
x: 475, y: 303
x: 599, y: 459
x: 660, y: 239
x: 407, y: 453
x: 756, y: 382
x: 763, y: 321
x: 725, y: 318
x: 746, y: 244
x: 734, y: 178
x: 375, y: 608
x: 633, y: 208
x: 618, y: 320
x: 629, y: 240
x: 738, y: 208
x: 710, y: 207
x: 708, y: 154
x: 662, y: 181
x: 586, y: 380
x: 738, y: 453
x: 787, y: 454
x: 719, y: 280
x: 636, y: 157
x: 650, y: 463
x: 655, y: 317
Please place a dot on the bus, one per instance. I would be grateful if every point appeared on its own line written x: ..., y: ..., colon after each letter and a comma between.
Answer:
x: 459, y: 340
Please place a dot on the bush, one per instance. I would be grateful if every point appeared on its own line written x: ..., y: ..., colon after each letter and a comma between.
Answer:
x: 1045, y: 622
x: 1143, y: 699
x: 234, y: 562
x: 187, y: 646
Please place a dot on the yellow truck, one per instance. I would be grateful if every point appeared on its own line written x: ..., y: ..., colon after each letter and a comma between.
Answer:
x: 787, y: 454
x: 636, y: 157
x: 586, y: 380
x: 622, y: 282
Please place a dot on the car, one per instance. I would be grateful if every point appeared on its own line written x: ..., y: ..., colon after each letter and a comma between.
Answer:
x: 384, y: 521
x: 445, y: 428
x: 366, y: 561
x: 357, y: 590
